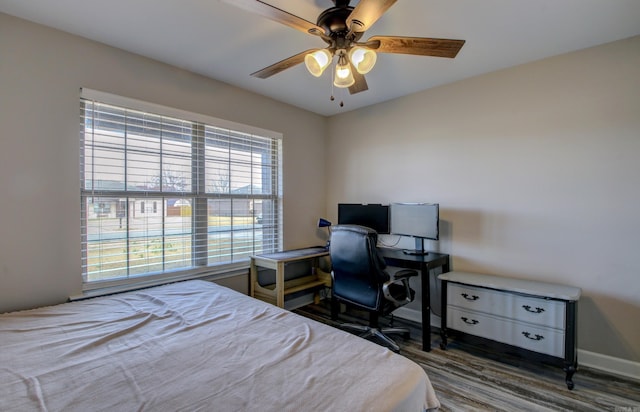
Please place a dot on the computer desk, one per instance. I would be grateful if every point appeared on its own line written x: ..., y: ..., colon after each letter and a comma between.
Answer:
x: 424, y: 264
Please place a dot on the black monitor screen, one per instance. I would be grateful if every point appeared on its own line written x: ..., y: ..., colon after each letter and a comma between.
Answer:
x: 374, y: 216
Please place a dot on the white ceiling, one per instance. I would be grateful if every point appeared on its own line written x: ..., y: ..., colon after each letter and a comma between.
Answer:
x: 226, y: 43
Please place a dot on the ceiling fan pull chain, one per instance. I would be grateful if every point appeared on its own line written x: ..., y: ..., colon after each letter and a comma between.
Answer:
x: 332, y: 96
x: 333, y: 74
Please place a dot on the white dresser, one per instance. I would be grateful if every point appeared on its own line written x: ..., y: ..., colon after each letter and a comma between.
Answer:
x: 537, y: 318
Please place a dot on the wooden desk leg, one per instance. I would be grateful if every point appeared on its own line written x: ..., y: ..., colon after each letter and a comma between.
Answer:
x: 280, y: 285
x: 253, y: 278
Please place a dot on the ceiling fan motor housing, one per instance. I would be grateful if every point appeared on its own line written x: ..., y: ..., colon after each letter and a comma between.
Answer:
x: 341, y: 3
x: 333, y: 20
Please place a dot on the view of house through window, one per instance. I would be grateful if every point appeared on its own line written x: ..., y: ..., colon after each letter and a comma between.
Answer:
x: 163, y: 194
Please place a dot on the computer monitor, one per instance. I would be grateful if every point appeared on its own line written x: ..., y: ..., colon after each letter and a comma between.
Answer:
x: 374, y: 216
x: 418, y: 220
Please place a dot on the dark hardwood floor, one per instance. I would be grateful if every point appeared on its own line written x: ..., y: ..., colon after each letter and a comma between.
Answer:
x: 471, y: 378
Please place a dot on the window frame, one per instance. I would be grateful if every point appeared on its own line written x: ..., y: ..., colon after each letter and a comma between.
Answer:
x: 199, y: 266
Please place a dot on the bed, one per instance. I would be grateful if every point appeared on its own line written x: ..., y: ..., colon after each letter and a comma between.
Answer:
x: 196, y: 345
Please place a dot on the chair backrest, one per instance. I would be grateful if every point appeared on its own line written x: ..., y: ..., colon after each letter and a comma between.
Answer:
x: 358, y: 269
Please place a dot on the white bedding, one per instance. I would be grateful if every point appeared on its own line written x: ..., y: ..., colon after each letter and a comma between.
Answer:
x: 195, y: 346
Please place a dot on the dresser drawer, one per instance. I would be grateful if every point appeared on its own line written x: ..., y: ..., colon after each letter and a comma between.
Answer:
x: 539, y: 311
x: 532, y: 337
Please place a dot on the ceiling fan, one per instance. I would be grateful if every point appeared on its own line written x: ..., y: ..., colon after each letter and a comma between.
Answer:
x: 342, y: 27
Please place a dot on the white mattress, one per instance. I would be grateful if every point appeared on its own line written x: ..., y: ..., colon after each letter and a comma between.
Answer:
x: 195, y: 346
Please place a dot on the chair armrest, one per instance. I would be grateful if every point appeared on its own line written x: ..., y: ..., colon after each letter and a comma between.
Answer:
x: 405, y: 274
x: 401, y: 277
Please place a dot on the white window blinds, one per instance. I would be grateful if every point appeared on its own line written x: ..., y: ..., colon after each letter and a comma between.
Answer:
x: 161, y: 192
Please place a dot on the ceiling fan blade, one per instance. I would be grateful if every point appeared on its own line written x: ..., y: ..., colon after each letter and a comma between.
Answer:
x: 276, y: 14
x: 366, y: 13
x: 419, y: 46
x: 361, y: 83
x: 282, y: 65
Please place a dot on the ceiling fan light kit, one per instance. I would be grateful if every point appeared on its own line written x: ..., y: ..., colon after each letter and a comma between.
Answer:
x: 317, y: 61
x: 341, y: 27
x: 343, y: 76
x: 362, y: 59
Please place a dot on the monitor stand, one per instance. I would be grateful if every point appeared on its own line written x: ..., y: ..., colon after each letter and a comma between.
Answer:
x: 419, y: 250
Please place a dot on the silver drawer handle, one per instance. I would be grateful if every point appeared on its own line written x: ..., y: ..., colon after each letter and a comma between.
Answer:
x: 469, y: 322
x: 473, y: 297
x: 528, y: 336
x: 528, y: 309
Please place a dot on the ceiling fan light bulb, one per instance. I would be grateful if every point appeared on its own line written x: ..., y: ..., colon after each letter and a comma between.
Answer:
x: 363, y: 59
x: 343, y: 77
x: 317, y: 61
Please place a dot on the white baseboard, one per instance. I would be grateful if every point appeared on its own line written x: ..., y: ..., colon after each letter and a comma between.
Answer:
x: 609, y: 364
x: 408, y: 314
x: 415, y: 316
x: 294, y: 303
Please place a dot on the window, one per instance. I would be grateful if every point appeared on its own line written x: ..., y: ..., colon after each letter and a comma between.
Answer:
x: 165, y: 195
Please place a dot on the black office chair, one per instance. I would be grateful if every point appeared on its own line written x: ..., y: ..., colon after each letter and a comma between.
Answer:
x: 360, y: 279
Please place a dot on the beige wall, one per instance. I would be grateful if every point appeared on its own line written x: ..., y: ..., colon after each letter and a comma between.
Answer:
x: 536, y: 169
x: 41, y: 73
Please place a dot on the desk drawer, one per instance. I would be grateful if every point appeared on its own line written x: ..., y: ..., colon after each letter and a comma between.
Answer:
x: 538, y: 311
x: 536, y: 338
